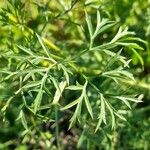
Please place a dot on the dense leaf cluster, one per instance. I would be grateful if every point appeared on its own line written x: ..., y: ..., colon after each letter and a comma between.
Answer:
x: 67, y: 64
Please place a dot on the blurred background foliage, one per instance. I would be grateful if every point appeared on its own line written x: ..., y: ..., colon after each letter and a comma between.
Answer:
x: 63, y: 23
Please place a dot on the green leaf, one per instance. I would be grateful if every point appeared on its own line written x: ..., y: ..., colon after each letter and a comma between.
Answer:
x: 37, y: 101
x: 55, y: 82
x: 27, y: 76
x: 108, y: 25
x: 111, y: 112
x: 137, y: 100
x: 7, y: 104
x: 89, y: 24
x: 98, y: 124
x: 76, y: 114
x: 104, y: 46
x: 120, y: 34
x: 23, y: 120
x: 119, y: 73
x: 31, y: 84
x: 26, y: 50
x: 139, y: 57
x: 102, y: 115
x: 71, y: 104
x: 134, y: 39
x: 9, y: 76
x: 98, y: 18
x: 102, y: 26
x: 126, y: 102
x: 127, y: 74
x: 88, y: 105
x: 73, y: 87
x: 120, y: 116
x: 131, y: 45
x: 81, y: 139
x: 58, y: 92
x: 66, y: 71
x: 43, y: 46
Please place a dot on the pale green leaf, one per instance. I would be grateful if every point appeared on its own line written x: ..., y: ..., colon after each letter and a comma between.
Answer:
x: 76, y: 114
x: 26, y: 50
x: 98, y: 124
x: 138, y: 56
x: 89, y: 24
x: 73, y: 87
x: 31, y: 84
x: 71, y: 104
x: 137, y: 100
x: 58, y: 92
x: 38, y: 99
x: 42, y: 44
x: 120, y: 116
x: 111, y: 112
x: 102, y: 113
x: 88, y: 105
x: 23, y: 120
x: 131, y: 45
x: 66, y: 72
x: 55, y: 82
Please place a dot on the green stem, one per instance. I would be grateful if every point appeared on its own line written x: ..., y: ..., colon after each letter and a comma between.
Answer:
x: 91, y: 43
x: 57, y: 127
